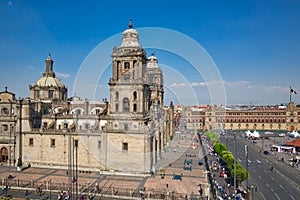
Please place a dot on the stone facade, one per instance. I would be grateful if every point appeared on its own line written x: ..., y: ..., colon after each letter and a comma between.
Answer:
x: 50, y: 130
x: 134, y: 131
x: 254, y: 118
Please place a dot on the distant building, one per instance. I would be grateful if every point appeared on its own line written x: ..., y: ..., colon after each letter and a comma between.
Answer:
x: 133, y: 127
x: 254, y: 118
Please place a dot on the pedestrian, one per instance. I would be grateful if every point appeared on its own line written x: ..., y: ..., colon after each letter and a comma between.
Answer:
x: 58, y: 196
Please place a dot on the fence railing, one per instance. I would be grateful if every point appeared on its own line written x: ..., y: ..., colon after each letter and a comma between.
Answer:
x: 85, y: 191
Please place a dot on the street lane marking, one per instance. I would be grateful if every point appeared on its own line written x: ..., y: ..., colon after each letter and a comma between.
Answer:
x: 277, y: 196
x: 272, y: 178
x: 292, y: 197
x: 267, y: 185
x: 259, y: 177
x: 262, y: 195
x: 281, y: 186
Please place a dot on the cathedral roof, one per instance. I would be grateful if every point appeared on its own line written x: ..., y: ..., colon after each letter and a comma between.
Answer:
x: 130, y: 37
x: 48, y: 81
x: 152, y: 62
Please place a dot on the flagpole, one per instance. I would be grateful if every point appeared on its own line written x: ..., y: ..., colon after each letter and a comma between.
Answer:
x: 290, y: 94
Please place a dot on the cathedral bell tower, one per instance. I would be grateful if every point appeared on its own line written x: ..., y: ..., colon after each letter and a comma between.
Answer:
x: 127, y: 85
x: 127, y: 132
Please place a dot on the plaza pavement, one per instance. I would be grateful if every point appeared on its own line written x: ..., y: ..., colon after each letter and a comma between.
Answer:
x: 105, y: 184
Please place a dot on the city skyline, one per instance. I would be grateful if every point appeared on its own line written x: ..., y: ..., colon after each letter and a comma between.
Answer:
x: 254, y: 45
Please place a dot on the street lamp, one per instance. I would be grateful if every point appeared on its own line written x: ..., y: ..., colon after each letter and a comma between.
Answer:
x: 246, y: 154
x: 234, y: 184
x: 252, y: 194
x: 76, y: 167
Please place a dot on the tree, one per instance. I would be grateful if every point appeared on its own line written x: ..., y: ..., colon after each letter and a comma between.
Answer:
x: 227, y: 157
x: 212, y: 137
x: 219, y: 147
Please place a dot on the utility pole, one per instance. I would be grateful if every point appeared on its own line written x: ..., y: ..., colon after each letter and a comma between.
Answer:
x: 19, y: 164
x: 76, y: 168
x: 246, y: 154
x: 234, y: 184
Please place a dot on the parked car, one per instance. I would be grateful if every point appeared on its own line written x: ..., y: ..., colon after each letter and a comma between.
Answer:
x: 266, y: 152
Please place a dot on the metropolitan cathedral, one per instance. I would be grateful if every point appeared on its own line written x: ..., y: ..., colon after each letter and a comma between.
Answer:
x: 125, y: 134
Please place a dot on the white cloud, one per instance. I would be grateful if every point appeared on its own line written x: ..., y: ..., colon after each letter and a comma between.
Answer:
x: 61, y: 75
x: 241, y: 91
x: 30, y: 67
x: 212, y: 83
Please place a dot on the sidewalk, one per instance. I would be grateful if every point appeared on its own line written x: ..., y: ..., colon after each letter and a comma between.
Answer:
x: 222, y: 185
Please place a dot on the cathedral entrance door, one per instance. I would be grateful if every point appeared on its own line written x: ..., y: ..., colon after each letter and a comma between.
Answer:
x: 4, y: 154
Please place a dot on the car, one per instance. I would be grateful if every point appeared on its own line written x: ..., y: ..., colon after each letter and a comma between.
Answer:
x: 266, y: 152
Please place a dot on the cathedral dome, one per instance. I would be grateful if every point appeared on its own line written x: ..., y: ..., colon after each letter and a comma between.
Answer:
x: 48, y: 81
x: 130, y: 37
x: 152, y: 61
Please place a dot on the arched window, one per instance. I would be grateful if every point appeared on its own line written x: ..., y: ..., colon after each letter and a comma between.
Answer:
x: 117, y: 96
x: 50, y: 94
x: 36, y: 94
x: 117, y: 107
x: 134, y: 96
x: 126, y: 65
x: 134, y: 107
x: 126, y: 105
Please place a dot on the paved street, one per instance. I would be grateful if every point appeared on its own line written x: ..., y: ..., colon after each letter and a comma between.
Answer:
x: 280, y: 183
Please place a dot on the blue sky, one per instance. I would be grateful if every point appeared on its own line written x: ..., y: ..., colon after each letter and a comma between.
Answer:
x: 254, y: 44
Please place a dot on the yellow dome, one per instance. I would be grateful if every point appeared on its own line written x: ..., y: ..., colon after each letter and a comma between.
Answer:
x: 48, y: 81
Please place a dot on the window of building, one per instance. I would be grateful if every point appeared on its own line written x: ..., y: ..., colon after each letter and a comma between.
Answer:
x: 125, y: 146
x: 65, y: 125
x: 134, y: 107
x: 78, y: 111
x: 117, y: 107
x: 126, y: 127
x: 52, y: 143
x: 99, y: 144
x: 76, y: 143
x: 50, y: 94
x: 36, y: 94
x: 5, y: 111
x: 86, y: 126
x: 97, y: 111
x: 134, y: 96
x: 5, y: 128
x: 117, y: 96
x: 126, y: 65
x: 126, y: 104
x: 31, y: 142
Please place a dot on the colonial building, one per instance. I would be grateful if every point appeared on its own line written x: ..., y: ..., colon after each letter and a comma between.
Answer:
x: 248, y: 118
x: 50, y: 130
